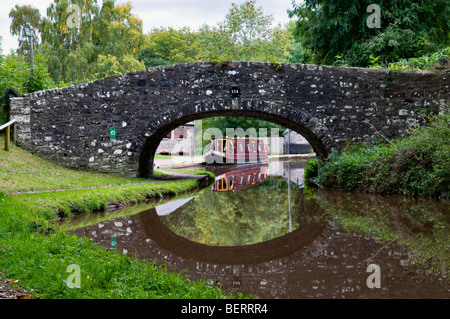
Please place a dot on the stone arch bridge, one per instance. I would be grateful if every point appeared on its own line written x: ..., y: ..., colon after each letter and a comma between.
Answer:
x: 327, y: 105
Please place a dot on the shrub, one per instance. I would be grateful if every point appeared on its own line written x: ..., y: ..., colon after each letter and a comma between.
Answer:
x: 415, y: 165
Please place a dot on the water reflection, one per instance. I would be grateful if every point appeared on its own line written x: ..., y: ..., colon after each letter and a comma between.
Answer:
x: 261, y: 251
x: 240, y: 179
x: 245, y: 217
x: 278, y: 240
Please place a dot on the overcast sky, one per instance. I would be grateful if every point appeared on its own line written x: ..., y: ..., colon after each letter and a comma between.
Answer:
x: 156, y: 13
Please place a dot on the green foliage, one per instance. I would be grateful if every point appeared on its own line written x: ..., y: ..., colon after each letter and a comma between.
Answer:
x: 311, y: 169
x: 16, y: 75
x: 106, y: 43
x: 338, y: 28
x: 40, y: 262
x: 23, y: 17
x: 415, y: 165
x: 109, y: 65
x: 427, y: 62
x: 110, y: 40
x: 147, y: 57
x: 170, y: 46
x: 246, y: 35
x: 245, y: 217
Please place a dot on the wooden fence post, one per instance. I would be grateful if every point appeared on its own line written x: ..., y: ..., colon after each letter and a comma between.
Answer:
x: 7, y: 137
x: 7, y: 126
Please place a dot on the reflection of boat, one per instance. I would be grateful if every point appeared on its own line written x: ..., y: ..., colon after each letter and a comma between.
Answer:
x: 240, y: 179
x: 236, y: 150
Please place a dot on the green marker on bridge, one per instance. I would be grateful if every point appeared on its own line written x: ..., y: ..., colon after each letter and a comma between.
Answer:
x: 113, y: 243
x: 112, y: 133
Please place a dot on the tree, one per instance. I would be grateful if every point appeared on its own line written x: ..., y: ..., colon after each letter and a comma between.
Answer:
x: 248, y: 26
x: 117, y: 31
x: 24, y: 17
x: 16, y: 76
x: 338, y: 28
x: 170, y: 46
x: 147, y: 56
x: 107, y: 41
x: 247, y: 35
x: 110, y: 64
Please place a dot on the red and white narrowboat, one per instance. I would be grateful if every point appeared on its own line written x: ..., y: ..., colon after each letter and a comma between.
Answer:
x: 236, y: 151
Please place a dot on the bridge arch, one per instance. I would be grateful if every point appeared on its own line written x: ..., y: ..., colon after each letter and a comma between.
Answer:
x: 287, y: 116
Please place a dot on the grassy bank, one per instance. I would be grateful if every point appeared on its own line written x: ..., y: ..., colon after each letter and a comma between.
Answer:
x: 415, y: 165
x: 39, y: 258
x: 36, y: 253
x: 21, y: 171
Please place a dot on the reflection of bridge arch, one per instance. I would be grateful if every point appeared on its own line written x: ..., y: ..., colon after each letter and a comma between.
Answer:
x: 249, y: 254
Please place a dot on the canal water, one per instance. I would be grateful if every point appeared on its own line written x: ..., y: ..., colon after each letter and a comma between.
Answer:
x: 258, y: 230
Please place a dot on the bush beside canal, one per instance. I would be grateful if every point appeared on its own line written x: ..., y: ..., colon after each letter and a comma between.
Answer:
x: 414, y: 165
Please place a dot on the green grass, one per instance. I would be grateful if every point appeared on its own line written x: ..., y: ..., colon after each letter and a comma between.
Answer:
x: 76, y: 202
x: 414, y: 165
x: 163, y: 156
x: 39, y: 258
x: 35, y: 251
x: 191, y: 172
x: 21, y: 171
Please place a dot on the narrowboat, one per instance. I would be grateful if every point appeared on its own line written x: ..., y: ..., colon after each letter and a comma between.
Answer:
x: 240, y: 179
x: 236, y: 151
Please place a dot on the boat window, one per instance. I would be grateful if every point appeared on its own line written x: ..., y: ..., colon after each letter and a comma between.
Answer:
x: 240, y: 147
x: 231, y: 183
x: 223, y: 184
x: 230, y: 147
x: 249, y: 178
x: 241, y: 180
x: 248, y: 147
